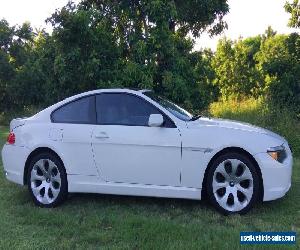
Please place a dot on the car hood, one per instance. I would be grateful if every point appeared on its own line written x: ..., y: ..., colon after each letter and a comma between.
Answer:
x: 230, y: 124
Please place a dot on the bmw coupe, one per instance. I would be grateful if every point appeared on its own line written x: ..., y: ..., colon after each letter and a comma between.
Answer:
x: 127, y: 142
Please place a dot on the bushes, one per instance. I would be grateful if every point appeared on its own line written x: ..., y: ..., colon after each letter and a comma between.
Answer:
x: 265, y: 66
x: 279, y: 59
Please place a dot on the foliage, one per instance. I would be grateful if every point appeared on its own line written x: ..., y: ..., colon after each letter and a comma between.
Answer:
x: 262, y: 66
x: 279, y: 59
x: 15, y: 43
x: 293, y: 8
x: 234, y: 64
x: 100, y: 44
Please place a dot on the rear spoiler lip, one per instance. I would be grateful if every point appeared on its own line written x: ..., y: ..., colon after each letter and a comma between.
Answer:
x: 17, y: 122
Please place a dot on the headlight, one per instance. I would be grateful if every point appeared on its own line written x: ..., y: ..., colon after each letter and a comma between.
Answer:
x: 277, y: 153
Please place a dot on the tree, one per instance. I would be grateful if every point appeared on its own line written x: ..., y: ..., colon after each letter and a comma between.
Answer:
x: 278, y: 59
x: 204, y: 91
x: 234, y: 65
x: 85, y: 51
x: 146, y: 43
x: 293, y: 8
x: 15, y: 44
x: 6, y: 35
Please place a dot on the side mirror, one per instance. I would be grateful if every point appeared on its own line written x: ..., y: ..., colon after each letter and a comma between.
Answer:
x: 155, y: 120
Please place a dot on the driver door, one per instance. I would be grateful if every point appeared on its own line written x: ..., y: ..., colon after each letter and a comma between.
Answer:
x: 127, y: 150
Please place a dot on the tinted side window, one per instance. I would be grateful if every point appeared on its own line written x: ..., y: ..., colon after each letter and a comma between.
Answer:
x: 123, y: 109
x: 79, y: 111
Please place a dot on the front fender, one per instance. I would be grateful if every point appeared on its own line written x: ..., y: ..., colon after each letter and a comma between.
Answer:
x: 201, y: 144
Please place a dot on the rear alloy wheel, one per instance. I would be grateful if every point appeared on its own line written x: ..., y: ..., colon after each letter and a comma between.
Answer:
x: 233, y: 184
x: 47, y: 180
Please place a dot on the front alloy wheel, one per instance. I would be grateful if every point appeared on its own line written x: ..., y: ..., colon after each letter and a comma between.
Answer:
x: 233, y: 184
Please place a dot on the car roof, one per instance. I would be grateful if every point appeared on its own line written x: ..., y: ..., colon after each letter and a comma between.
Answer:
x: 98, y: 91
x: 112, y: 90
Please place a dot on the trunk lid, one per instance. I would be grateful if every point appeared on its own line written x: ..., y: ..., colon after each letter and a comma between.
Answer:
x: 17, y: 122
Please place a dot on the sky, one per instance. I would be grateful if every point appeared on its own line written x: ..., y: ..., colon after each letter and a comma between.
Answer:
x: 249, y: 18
x: 246, y: 17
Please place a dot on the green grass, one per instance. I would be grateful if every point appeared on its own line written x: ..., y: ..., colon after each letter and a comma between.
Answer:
x: 120, y: 222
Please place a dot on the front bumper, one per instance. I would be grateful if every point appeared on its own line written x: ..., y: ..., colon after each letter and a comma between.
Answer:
x: 276, y: 176
x: 14, y: 158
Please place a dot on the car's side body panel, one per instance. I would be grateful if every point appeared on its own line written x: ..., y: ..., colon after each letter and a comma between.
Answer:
x: 199, y: 147
x: 13, y: 158
x: 86, y: 184
x: 72, y: 143
x: 76, y: 147
x: 137, y: 154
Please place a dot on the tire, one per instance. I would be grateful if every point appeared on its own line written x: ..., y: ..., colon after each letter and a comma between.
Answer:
x: 47, y: 180
x: 233, y: 184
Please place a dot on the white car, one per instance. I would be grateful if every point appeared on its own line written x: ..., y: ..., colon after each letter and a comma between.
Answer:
x: 126, y: 142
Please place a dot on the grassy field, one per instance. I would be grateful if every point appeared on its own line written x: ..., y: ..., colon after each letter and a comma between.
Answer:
x: 120, y: 222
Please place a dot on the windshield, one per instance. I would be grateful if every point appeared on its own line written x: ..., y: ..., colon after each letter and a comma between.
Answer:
x: 170, y: 106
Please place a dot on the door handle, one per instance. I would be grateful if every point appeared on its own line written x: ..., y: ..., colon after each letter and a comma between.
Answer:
x: 101, y: 135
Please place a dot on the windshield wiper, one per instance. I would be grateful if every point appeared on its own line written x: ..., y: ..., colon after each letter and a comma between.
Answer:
x: 195, y: 117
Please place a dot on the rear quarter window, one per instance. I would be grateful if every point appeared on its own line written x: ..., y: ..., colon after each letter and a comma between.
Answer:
x: 79, y: 111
